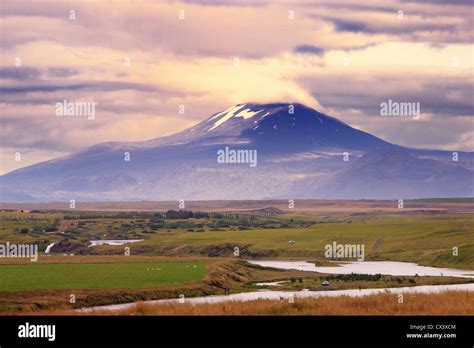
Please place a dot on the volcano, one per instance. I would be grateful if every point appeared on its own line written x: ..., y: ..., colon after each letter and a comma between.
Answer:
x: 301, y: 153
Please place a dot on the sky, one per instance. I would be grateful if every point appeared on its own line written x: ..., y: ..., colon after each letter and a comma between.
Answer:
x: 154, y: 68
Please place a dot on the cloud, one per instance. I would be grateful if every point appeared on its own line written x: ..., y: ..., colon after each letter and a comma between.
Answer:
x: 442, y: 2
x: 90, y: 86
x: 309, y: 49
x: 341, y: 56
x: 61, y: 72
x: 345, y: 25
x: 356, y: 100
x: 19, y: 74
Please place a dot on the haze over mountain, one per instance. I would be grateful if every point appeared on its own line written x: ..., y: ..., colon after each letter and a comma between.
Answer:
x: 301, y: 153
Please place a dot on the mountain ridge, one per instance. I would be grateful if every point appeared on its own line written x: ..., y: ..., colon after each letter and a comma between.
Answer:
x: 300, y: 151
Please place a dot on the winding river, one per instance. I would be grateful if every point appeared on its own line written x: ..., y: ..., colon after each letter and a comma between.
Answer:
x: 366, y: 267
x: 369, y: 267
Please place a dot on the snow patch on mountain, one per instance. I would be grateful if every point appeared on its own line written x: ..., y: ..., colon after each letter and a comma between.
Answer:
x: 231, y: 112
x: 247, y: 114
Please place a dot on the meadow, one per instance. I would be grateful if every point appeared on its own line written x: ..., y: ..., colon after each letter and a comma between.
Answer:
x: 17, y: 277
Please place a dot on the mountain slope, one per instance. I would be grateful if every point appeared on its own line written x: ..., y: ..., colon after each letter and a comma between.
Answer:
x: 395, y: 173
x: 299, y: 152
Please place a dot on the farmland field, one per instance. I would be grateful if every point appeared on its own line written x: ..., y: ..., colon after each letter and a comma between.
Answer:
x: 96, y: 276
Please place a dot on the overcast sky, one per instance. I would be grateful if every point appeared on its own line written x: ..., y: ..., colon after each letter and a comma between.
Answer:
x: 342, y: 57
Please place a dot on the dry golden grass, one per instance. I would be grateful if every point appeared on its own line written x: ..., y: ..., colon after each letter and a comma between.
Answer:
x: 449, y: 303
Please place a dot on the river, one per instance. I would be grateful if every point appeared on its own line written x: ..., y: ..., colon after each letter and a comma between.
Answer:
x: 365, y: 267
x: 368, y: 267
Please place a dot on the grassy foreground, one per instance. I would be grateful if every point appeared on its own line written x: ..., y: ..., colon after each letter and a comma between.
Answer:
x: 448, y: 303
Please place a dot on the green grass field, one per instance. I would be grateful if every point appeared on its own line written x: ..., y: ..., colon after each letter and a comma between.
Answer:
x: 97, y: 276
